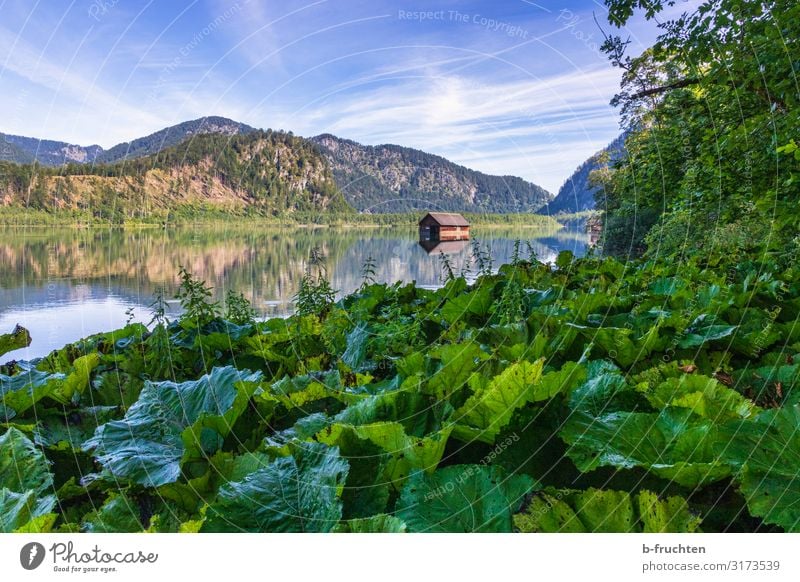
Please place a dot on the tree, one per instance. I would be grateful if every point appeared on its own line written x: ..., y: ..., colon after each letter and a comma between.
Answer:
x: 708, y: 105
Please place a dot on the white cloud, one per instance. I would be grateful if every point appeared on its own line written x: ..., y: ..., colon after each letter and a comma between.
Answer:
x: 538, y: 128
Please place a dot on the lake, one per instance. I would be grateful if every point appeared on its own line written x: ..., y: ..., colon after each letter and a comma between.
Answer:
x: 65, y: 284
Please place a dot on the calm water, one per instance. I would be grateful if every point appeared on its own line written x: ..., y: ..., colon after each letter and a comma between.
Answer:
x: 65, y: 284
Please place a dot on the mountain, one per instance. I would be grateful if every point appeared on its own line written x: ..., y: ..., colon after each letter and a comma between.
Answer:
x: 24, y: 150
x: 10, y: 152
x: 260, y: 172
x: 577, y: 194
x: 172, y: 136
x: 384, y: 178
x: 390, y: 178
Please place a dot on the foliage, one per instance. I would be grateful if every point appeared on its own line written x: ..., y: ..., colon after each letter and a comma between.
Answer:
x: 648, y: 396
x: 315, y: 295
x: 238, y: 308
x: 195, y: 297
x: 18, y: 338
x: 712, y: 108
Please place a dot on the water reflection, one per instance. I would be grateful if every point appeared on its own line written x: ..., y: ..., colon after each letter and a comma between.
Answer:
x: 63, y: 284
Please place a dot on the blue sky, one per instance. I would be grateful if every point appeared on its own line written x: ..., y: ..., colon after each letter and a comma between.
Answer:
x: 506, y: 86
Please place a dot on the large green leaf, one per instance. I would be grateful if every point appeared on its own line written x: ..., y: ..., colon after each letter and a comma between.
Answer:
x: 26, y: 484
x: 703, y: 330
x: 702, y: 395
x: 119, y: 514
x: 473, y: 305
x: 410, y: 427
x: 299, y: 493
x: 24, y: 389
x: 462, y: 498
x: 170, y: 423
x: 300, y: 391
x: 673, y: 444
x: 78, y: 379
x: 17, y: 339
x: 406, y: 453
x: 596, y: 510
x: 603, y: 390
x: 68, y: 429
x: 490, y: 408
x: 380, y: 523
x: 458, y: 361
x: 766, y: 452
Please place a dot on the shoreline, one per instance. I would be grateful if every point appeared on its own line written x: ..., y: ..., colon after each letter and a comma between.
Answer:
x: 39, y: 219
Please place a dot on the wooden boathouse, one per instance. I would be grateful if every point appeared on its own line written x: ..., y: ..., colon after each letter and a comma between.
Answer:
x: 443, y: 226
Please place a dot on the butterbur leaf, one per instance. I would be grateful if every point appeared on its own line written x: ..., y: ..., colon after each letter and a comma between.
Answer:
x: 172, y: 422
x: 411, y: 428
x: 703, y: 330
x: 670, y: 515
x: 616, y: 342
x: 298, y: 493
x: 25, y: 481
x: 356, y: 347
x: 23, y: 467
x: 17, y: 339
x: 473, y: 305
x: 673, y: 444
x: 119, y: 514
x: 69, y: 429
x: 602, y: 388
x: 41, y: 524
x: 380, y: 523
x: 21, y: 391
x: 299, y: 391
x: 704, y: 396
x: 458, y: 361
x: 406, y: 453
x: 490, y: 408
x: 766, y: 452
x: 597, y: 510
x: 78, y: 380
x: 462, y: 498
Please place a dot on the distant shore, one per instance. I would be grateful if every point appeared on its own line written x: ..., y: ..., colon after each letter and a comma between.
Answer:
x: 20, y: 217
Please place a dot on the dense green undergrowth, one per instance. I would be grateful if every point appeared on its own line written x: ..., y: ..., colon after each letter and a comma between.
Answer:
x: 587, y: 396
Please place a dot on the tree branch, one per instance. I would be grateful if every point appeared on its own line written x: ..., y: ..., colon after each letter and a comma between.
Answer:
x: 664, y: 88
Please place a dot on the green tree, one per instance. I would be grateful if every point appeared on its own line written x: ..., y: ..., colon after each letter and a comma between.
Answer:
x: 709, y: 104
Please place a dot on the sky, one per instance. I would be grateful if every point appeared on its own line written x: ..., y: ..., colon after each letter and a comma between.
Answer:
x: 510, y: 87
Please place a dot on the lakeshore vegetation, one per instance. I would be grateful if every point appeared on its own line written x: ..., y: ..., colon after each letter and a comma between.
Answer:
x: 651, y: 388
x: 590, y: 395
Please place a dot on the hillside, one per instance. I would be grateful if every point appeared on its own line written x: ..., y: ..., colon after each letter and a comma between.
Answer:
x: 390, y: 178
x: 263, y: 172
x: 373, y: 179
x: 172, y: 136
x: 24, y: 150
x: 577, y: 193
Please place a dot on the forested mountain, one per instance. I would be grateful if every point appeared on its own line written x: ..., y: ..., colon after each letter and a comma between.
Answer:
x: 10, y: 152
x: 24, y: 150
x: 578, y: 192
x: 390, y: 178
x: 262, y: 172
x: 172, y: 136
x: 378, y: 179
